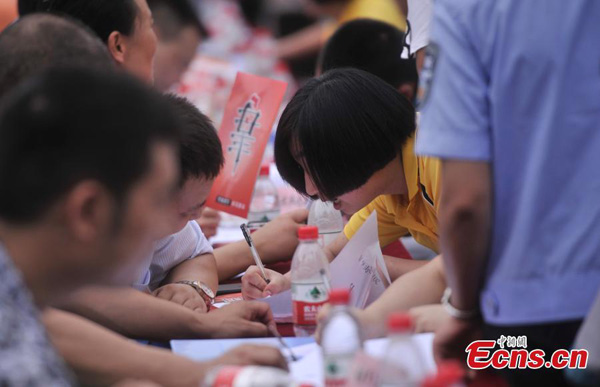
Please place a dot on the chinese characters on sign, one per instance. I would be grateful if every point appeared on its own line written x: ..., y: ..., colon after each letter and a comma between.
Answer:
x: 245, y: 123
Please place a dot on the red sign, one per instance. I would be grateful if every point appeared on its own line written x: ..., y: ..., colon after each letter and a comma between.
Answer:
x: 247, y: 121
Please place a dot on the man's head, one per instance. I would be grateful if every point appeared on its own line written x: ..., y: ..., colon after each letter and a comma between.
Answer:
x: 372, y: 46
x: 91, y: 174
x: 38, y: 42
x: 125, y: 26
x: 179, y: 32
x: 338, y: 132
x: 201, y: 160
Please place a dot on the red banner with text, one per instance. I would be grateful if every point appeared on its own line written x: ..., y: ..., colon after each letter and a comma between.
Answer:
x: 247, y: 122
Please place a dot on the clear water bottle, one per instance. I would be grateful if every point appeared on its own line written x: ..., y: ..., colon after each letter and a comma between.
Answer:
x: 450, y: 373
x: 327, y: 219
x: 404, y: 364
x: 341, y: 339
x: 309, y: 291
x: 249, y: 376
x: 264, y: 206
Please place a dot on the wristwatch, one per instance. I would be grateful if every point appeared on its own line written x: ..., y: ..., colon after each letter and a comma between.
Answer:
x: 455, y: 312
x: 203, y: 290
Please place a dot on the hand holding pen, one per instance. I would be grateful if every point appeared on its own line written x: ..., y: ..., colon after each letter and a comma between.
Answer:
x: 255, y: 255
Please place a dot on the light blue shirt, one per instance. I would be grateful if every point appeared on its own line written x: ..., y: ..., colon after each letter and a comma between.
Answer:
x: 517, y: 83
x: 169, y: 252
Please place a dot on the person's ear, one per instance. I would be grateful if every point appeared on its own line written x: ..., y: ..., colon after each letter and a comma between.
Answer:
x: 117, y: 46
x: 89, y: 211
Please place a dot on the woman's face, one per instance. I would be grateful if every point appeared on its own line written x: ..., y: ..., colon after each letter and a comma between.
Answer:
x: 352, y: 201
x: 141, y: 45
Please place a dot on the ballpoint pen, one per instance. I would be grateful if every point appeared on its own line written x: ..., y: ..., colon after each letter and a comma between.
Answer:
x: 276, y: 333
x: 255, y: 255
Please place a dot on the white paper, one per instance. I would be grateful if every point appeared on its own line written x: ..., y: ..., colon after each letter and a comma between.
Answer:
x: 355, y: 267
x: 281, y: 306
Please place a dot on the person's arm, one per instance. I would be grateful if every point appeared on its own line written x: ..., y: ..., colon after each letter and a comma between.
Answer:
x: 465, y: 225
x: 139, y: 315
x: 186, y: 256
x: 397, y: 267
x: 101, y: 357
x: 403, y: 4
x: 304, y: 42
x: 203, y: 268
x: 422, y: 286
x: 275, y: 242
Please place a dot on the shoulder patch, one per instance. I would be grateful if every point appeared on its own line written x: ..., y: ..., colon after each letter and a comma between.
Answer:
x: 427, y: 73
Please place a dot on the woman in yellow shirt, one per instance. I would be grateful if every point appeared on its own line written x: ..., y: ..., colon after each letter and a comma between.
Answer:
x: 347, y: 136
x: 311, y: 39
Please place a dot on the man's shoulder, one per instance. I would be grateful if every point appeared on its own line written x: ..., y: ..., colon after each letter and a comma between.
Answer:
x: 28, y: 359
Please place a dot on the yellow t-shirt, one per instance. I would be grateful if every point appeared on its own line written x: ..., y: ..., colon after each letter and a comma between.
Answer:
x: 382, y: 10
x: 415, y: 213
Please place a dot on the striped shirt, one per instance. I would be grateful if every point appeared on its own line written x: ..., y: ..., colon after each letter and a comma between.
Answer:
x: 188, y: 243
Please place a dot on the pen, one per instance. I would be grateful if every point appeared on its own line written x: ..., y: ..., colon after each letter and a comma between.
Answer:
x: 255, y: 255
x: 276, y: 333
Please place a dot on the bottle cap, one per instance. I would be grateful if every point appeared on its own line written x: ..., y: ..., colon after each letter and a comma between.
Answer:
x: 399, y: 322
x: 308, y: 233
x: 339, y: 297
x: 265, y: 170
x: 451, y: 371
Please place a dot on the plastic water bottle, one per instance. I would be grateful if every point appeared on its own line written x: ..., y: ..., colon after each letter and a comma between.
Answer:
x: 450, y: 373
x: 327, y: 219
x: 250, y: 376
x: 264, y: 206
x: 309, y: 291
x: 403, y: 364
x: 341, y: 339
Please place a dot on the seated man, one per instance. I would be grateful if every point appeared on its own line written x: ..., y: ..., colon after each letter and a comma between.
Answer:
x: 42, y: 45
x: 182, y: 268
x: 180, y: 32
x: 74, y: 205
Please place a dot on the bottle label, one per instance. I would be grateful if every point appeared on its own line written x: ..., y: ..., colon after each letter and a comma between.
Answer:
x: 226, y: 376
x: 307, y: 300
x: 337, y: 370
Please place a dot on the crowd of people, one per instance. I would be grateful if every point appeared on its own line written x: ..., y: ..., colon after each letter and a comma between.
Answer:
x: 471, y: 125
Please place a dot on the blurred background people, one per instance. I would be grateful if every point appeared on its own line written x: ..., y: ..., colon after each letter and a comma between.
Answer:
x: 180, y: 31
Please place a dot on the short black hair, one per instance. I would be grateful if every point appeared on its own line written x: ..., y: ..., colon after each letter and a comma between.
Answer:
x: 67, y: 125
x: 370, y: 45
x: 171, y: 16
x: 102, y: 16
x: 347, y: 124
x: 200, y: 150
x: 38, y: 42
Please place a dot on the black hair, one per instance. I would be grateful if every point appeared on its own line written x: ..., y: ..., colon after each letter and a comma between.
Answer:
x: 347, y: 124
x: 170, y: 16
x: 367, y: 44
x: 102, y: 16
x: 37, y: 42
x: 200, y: 150
x: 68, y: 125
